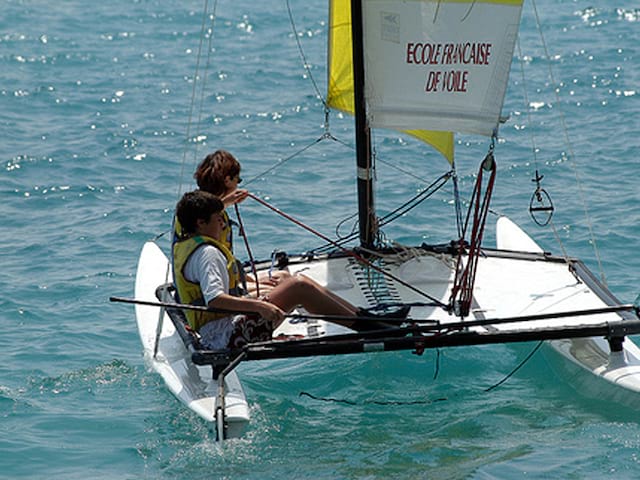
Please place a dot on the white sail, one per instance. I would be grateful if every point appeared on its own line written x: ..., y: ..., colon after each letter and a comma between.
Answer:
x: 438, y: 65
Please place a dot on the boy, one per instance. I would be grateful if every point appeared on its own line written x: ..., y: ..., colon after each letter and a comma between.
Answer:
x: 206, y: 273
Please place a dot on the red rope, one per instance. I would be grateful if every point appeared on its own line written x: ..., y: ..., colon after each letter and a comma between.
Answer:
x: 462, y: 290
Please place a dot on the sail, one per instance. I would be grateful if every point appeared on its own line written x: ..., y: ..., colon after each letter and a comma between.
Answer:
x: 432, y: 67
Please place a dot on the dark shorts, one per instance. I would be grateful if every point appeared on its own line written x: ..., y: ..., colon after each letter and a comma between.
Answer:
x: 250, y: 329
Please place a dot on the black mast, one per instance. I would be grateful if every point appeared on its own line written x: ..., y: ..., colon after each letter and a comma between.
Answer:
x: 366, y: 211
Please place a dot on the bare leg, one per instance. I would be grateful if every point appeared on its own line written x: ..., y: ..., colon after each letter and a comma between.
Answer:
x: 336, y: 298
x: 266, y: 283
x: 273, y: 278
x: 301, y: 290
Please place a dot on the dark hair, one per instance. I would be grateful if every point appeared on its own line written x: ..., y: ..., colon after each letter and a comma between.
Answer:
x: 212, y: 171
x: 194, y: 206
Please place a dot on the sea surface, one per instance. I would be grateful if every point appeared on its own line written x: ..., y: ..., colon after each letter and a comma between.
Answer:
x: 101, y: 130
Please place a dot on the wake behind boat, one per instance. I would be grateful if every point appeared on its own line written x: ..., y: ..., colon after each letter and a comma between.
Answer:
x: 429, y: 69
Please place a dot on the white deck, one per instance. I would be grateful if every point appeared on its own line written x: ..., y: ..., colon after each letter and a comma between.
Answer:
x: 507, y: 286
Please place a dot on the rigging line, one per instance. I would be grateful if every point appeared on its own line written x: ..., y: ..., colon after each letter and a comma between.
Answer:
x: 282, y: 162
x: 205, y: 78
x: 569, y: 145
x: 305, y: 64
x: 527, y: 104
x: 319, y: 95
x: 513, y: 372
x: 379, y: 159
x: 341, y: 142
x: 386, y: 219
x: 193, y: 99
x: 190, y: 118
x: 405, y: 207
x: 416, y: 199
x: 383, y: 220
x: 457, y: 200
x: 349, y: 252
x: 391, y: 216
x: 339, y: 243
x: 295, y: 154
x: 533, y: 142
x: 565, y: 255
x: 243, y: 233
x: 464, y: 280
x: 402, y: 170
x: 345, y: 144
x: 342, y: 222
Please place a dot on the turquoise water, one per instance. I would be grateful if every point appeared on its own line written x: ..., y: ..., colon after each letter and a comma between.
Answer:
x: 94, y: 108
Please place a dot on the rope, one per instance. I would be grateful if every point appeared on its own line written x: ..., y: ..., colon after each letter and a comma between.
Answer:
x: 416, y: 200
x: 427, y: 402
x: 191, y: 108
x: 243, y: 233
x: 518, y: 367
x: 282, y: 162
x: 571, y: 155
x: 525, y: 89
x: 540, y: 193
x: 304, y: 58
x: 326, y: 135
x: 196, y: 75
x: 205, y: 78
x: 465, y: 277
x: 457, y: 201
x: 394, y: 214
x: 556, y: 235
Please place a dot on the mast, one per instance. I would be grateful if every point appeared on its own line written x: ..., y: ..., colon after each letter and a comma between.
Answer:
x: 366, y: 210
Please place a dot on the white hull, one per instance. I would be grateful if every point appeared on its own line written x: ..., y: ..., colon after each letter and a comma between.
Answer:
x: 593, y: 369
x: 593, y: 372
x: 193, y: 385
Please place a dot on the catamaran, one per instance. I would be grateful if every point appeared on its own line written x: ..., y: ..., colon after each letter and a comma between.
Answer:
x: 430, y: 69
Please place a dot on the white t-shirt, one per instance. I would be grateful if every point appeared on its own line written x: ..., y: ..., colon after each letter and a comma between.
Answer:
x: 207, y: 266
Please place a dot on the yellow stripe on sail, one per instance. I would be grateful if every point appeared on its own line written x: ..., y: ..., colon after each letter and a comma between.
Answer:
x: 340, y: 84
x: 441, y: 141
x: 340, y: 89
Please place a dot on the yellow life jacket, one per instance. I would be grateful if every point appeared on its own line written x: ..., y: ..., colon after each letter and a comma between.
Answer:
x: 190, y: 292
x: 227, y: 232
